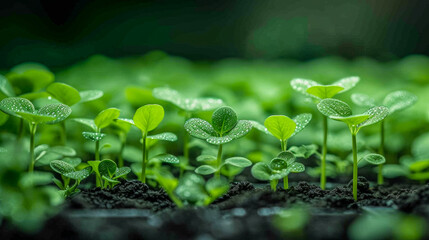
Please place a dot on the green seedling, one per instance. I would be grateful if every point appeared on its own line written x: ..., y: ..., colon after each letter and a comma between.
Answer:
x: 67, y: 169
x: 224, y: 128
x: 278, y: 168
x: 23, y: 108
x: 104, y: 119
x: 341, y: 111
x: 107, y: 172
x: 318, y: 92
x: 394, y: 101
x: 187, y: 107
x: 123, y: 126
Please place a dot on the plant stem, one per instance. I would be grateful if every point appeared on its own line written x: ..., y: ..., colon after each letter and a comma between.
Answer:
x: 355, y: 166
x: 273, y: 184
x: 285, y: 182
x: 33, y: 128
x: 380, y: 179
x: 121, y: 151
x: 144, y: 152
x: 218, y: 161
x: 97, y: 150
x: 63, y: 133
x: 324, y: 151
x: 283, y: 145
x: 185, y: 146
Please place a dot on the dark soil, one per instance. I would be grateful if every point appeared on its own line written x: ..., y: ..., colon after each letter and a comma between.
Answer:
x: 132, y: 210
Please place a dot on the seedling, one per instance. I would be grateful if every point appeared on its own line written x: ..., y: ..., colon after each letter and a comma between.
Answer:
x: 224, y: 128
x: 278, y: 168
x: 107, y: 172
x: 23, y: 108
x: 187, y: 107
x: 394, y: 101
x: 341, y: 111
x: 67, y: 169
x: 318, y: 92
x: 103, y: 120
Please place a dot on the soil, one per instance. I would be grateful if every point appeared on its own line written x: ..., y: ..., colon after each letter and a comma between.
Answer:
x: 133, y: 210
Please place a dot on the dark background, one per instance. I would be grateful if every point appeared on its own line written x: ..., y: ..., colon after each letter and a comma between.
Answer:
x: 58, y: 33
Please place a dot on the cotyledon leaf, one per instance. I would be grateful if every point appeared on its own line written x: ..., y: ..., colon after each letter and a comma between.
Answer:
x: 61, y: 167
x: 261, y: 171
x: 277, y: 164
x: 35, y: 118
x: 287, y: 156
x: 93, y: 136
x: 79, y: 175
x: 301, y: 85
x: 168, y: 158
x: 399, y: 100
x: 224, y: 119
x: 205, y: 170
x: 324, y: 91
x: 363, y: 100
x: 64, y: 93
x: 219, y: 140
x: 59, y: 111
x: 90, y: 95
x: 121, y: 172
x: 352, y: 120
x: 296, y: 167
x: 5, y: 87
x: 107, y: 168
x: 199, y: 128
x: 240, y: 162
x: 347, y: 83
x: 374, y: 158
x: 242, y: 128
x: 280, y: 126
x: 376, y: 114
x: 106, y: 117
x: 301, y: 121
x: 12, y: 105
x: 87, y: 122
x: 334, y: 107
x: 166, y: 136
x: 148, y: 117
x: 63, y: 150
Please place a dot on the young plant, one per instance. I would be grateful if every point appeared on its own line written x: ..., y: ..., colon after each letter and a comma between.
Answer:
x: 107, y: 172
x: 67, y: 169
x: 341, y: 111
x: 187, y: 107
x: 23, y: 108
x: 394, y: 101
x: 224, y: 128
x: 278, y: 168
x: 103, y: 120
x: 318, y: 92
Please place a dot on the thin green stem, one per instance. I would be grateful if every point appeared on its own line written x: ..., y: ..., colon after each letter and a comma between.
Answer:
x: 144, y: 160
x: 273, y: 184
x: 97, y: 150
x: 218, y: 161
x: 33, y: 128
x: 324, y: 152
x: 185, y: 147
x: 121, y: 152
x: 380, y: 179
x: 355, y: 166
x: 283, y: 145
x: 285, y: 182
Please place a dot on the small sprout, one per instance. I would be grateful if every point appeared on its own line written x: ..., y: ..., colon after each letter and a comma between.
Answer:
x: 64, y: 93
x: 5, y: 87
x: 278, y: 168
x: 68, y: 172
x: 107, y: 173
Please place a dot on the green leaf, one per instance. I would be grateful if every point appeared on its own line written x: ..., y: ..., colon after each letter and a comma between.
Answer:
x: 419, y: 176
x: 87, y: 122
x: 166, y: 136
x: 167, y: 158
x: 90, y: 95
x: 419, y: 165
x: 121, y: 172
x: 12, y: 105
x: 93, y: 136
x: 334, y: 107
x: 373, y: 158
x: 277, y: 164
x: 36, y: 118
x: 110, y: 180
x: 238, y: 162
x: 347, y: 83
x: 206, y: 158
x: 58, y: 111
x: 46, y: 157
x: 63, y: 150
x: 363, y: 100
x: 280, y: 126
x: 34, y: 78
x: 261, y: 171
x: 61, y: 167
x: 287, y: 156
x: 242, y: 128
x: 399, y: 100
x: 34, y: 95
x: 376, y: 114
x: 186, y: 104
x: 216, y: 187
x: 72, y: 161
x: 260, y: 127
x: 304, y: 151
x: 79, y: 175
x: 148, y: 117
x: 219, y: 140
x: 64, y: 93
x: 324, y: 92
x: 94, y: 165
x: 199, y: 128
x: 107, y: 168
x: 205, y: 170
x: 301, y: 121
x: 301, y: 85
x: 353, y: 120
x: 224, y: 119
x: 124, y: 124
x: 296, y: 167
x: 106, y: 117
x: 5, y: 87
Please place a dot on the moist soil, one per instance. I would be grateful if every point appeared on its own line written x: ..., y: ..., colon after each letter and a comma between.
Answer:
x: 133, y: 210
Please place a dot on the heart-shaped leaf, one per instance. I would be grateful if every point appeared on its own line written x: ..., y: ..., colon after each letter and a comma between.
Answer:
x: 87, y: 122
x: 61, y: 167
x: 121, y: 172
x: 106, y: 117
x: 363, y: 100
x: 12, y: 105
x: 64, y: 93
x: 277, y: 164
x: 323, y: 92
x: 280, y: 126
x: 399, y: 100
x: 334, y: 107
x: 301, y: 121
x: 59, y: 111
x: 79, y: 175
x: 36, y: 118
x: 167, y: 158
x: 261, y: 171
x: 376, y: 114
x: 242, y: 128
x: 205, y: 170
x: 287, y: 156
x: 374, y: 158
x: 5, y: 87
x: 206, y: 158
x: 199, y: 128
x: 90, y: 95
x: 301, y: 85
x: 304, y: 151
x: 107, y: 168
x: 93, y: 136
x: 347, y: 83
x: 353, y: 120
x: 148, y: 117
x: 166, y: 136
x: 296, y: 167
x: 224, y: 119
x: 94, y: 165
x: 216, y: 187
x: 240, y: 162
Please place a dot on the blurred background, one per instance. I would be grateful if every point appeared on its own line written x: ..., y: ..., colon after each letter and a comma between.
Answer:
x: 60, y: 33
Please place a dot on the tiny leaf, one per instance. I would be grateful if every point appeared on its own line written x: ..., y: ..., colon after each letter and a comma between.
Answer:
x: 93, y: 136
x: 353, y: 120
x: 374, y: 158
x: 106, y: 117
x: 301, y: 85
x: 148, y: 117
x: 399, y: 100
x: 79, y: 175
x: 363, y: 100
x: 376, y: 114
x: 334, y: 107
x: 301, y: 121
x: 280, y: 126
x: 64, y: 93
x: 12, y: 105
x: 199, y: 128
x: 347, y: 83
x: 296, y: 167
x: 224, y: 119
x: 167, y: 158
x: 87, y: 122
x: 90, y: 95
x: 238, y: 162
x: 63, y: 150
x: 121, y: 172
x: 58, y: 111
x: 287, y: 156
x: 206, y: 158
x: 205, y: 170
x: 107, y: 168
x: 278, y: 164
x: 261, y: 171
x: 61, y: 167
x: 166, y: 136
x: 324, y: 92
